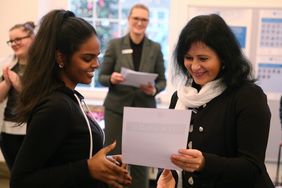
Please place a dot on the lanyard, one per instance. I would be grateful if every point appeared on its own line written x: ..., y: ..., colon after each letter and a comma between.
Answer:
x: 88, y: 125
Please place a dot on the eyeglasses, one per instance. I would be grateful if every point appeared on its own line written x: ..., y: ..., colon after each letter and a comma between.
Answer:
x: 17, y: 40
x: 138, y: 19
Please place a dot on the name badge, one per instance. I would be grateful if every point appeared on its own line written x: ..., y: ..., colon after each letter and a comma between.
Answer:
x: 127, y: 51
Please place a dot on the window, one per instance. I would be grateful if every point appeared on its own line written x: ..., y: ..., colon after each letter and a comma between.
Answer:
x: 109, y: 17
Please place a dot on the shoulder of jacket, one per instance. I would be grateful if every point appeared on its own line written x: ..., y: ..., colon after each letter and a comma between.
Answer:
x: 249, y: 88
x: 152, y: 42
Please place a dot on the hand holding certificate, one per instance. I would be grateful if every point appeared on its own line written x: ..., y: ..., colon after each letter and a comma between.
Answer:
x: 134, y: 78
x: 150, y: 136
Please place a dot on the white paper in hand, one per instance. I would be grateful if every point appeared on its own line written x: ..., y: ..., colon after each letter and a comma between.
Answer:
x: 134, y: 78
x: 150, y: 136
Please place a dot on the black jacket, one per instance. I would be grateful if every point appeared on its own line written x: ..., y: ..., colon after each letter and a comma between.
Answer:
x: 56, y: 147
x: 232, y: 132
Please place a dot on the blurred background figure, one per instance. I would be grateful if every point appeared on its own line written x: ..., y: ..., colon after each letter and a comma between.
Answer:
x: 137, y: 52
x: 20, y: 38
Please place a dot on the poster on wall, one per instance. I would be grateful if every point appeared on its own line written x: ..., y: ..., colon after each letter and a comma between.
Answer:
x: 269, y: 51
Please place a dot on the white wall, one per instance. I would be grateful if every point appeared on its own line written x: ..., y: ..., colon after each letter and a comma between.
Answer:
x: 14, y: 11
x: 11, y: 13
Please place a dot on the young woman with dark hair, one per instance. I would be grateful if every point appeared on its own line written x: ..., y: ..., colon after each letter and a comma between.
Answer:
x: 63, y: 146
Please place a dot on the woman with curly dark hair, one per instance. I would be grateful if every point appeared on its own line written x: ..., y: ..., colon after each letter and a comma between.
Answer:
x: 230, y: 116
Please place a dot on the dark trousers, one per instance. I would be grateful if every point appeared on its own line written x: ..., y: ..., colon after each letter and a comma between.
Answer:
x: 10, y: 145
x: 113, y: 131
x: 140, y: 176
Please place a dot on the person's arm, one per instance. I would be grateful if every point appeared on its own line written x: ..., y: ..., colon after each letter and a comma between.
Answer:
x: 166, y: 180
x: 159, y: 68
x: 109, y: 169
x: 5, y: 84
x: 107, y: 67
x: 4, y: 89
x: 15, y: 80
x: 160, y: 83
x: 252, y: 117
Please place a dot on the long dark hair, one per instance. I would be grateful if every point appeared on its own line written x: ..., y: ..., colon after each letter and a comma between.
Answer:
x: 215, y: 33
x: 59, y: 31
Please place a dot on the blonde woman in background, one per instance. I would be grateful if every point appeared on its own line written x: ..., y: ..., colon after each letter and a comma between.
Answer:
x: 20, y: 39
x: 137, y: 52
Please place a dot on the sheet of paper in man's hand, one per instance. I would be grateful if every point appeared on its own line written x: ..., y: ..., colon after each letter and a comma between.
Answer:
x: 135, y: 78
x: 150, y: 136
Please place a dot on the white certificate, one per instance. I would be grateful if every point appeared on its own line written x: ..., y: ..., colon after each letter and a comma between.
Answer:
x: 134, y: 78
x: 150, y: 136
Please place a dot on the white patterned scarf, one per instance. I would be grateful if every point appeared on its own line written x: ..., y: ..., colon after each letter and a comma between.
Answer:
x: 189, y: 97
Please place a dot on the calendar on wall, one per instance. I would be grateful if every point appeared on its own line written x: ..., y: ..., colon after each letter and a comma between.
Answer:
x: 271, y: 33
x: 270, y: 77
x: 269, y: 51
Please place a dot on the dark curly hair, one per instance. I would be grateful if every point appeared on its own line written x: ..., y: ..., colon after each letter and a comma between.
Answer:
x: 215, y: 33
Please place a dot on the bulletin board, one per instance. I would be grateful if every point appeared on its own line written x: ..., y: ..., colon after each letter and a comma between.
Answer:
x: 258, y: 29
